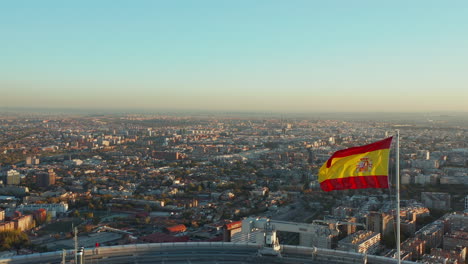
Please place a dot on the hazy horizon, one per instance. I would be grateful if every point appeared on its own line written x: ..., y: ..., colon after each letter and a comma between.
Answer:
x: 188, y: 112
x: 260, y: 56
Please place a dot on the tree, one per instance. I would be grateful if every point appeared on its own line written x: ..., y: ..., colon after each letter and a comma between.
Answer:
x: 53, y: 200
x: 76, y: 213
x: 13, y: 239
x: 89, y: 215
x: 96, y: 220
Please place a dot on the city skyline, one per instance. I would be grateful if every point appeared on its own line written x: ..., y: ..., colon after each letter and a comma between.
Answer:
x: 176, y: 179
x: 243, y: 56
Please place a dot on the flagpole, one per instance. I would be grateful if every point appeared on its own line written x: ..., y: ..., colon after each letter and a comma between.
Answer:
x: 397, y: 175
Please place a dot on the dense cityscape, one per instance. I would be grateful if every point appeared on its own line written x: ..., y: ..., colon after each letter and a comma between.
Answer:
x: 108, y: 179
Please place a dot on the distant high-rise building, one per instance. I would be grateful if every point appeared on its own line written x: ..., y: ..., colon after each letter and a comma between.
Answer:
x: 45, y: 179
x: 374, y: 222
x: 13, y: 177
x: 32, y: 160
x: 379, y: 222
x: 52, y: 176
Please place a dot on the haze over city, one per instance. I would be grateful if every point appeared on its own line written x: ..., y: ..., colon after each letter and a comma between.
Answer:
x: 299, y: 56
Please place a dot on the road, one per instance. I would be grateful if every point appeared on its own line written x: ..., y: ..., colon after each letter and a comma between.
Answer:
x: 295, y: 212
x: 85, y: 241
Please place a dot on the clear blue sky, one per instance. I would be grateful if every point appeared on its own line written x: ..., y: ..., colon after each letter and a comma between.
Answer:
x: 235, y: 55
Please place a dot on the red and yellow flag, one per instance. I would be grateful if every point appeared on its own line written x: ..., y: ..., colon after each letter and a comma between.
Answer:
x: 357, y: 167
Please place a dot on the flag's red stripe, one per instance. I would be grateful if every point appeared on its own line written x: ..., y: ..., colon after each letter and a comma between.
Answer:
x: 382, y: 144
x: 355, y: 182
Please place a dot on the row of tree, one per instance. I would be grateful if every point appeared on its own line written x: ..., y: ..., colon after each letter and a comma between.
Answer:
x: 13, y: 240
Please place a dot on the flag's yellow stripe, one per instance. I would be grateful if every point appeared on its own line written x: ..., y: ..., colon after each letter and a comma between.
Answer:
x: 346, y: 166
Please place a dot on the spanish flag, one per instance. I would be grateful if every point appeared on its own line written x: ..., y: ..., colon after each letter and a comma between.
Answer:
x: 357, y: 167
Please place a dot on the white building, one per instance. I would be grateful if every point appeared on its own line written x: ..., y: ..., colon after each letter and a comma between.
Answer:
x: 453, y: 180
x: 74, y: 162
x: 310, y: 235
x: 361, y: 242
x: 52, y: 208
x: 405, y: 179
x: 425, y: 164
x: 422, y: 179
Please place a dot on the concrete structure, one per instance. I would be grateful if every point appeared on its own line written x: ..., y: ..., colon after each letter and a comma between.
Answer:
x: 457, y: 221
x: 52, y: 208
x: 309, y: 234
x: 229, y: 230
x: 414, y: 213
x: 361, y: 242
x: 343, y: 211
x: 425, y: 164
x: 379, y: 222
x: 14, y: 190
x: 17, y: 222
x: 405, y: 179
x: 450, y: 256
x: 455, y: 239
x: 32, y: 160
x: 13, y: 177
x: 432, y: 234
x: 408, y: 227
x: 202, y: 252
x: 24, y: 222
x: 7, y: 226
x: 87, y: 241
x: 436, y: 200
x: 414, y: 245
x: 45, y: 179
x: 40, y: 216
x: 452, y: 180
x: 167, y: 155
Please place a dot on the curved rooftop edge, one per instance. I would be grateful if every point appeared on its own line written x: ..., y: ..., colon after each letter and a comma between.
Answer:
x: 296, y: 252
